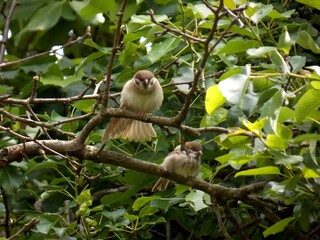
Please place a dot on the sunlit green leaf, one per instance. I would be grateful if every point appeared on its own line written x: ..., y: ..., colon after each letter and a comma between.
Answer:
x: 234, y: 88
x: 84, y: 105
x: 277, y: 227
x: 261, y: 12
x: 261, y: 51
x: 315, y: 84
x: 274, y: 141
x: 214, y: 99
x: 200, y: 10
x: 236, y: 46
x: 311, y: 3
x: 306, y: 137
x: 310, y: 99
x: 284, y: 42
x: 145, y: 19
x: 276, y: 15
x: 310, y: 173
x: 197, y: 200
x: 269, y: 170
x: 271, y: 111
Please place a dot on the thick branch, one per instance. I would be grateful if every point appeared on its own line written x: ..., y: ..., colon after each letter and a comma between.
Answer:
x: 73, y: 148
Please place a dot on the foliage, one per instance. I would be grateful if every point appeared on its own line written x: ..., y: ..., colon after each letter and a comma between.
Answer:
x: 243, y: 77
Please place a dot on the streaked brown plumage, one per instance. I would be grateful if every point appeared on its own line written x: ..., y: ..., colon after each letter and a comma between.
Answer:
x: 184, y: 162
x: 143, y: 94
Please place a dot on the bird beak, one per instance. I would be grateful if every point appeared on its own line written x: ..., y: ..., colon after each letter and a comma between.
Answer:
x: 145, y: 83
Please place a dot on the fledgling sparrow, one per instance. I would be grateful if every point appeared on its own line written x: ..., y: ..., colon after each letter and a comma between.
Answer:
x: 143, y: 94
x: 184, y: 162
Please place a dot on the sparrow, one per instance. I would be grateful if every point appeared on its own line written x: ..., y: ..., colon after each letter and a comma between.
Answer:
x: 185, y: 162
x: 141, y: 94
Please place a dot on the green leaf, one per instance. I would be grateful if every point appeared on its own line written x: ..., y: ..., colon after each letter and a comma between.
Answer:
x: 259, y: 171
x: 309, y: 102
x: 315, y: 85
x: 256, y: 126
x: 44, y: 19
x: 197, y: 199
x: 44, y: 226
x: 183, y: 74
x: 219, y: 116
x: 84, y: 197
x: 271, y: 110
x: 161, y: 49
x: 306, y: 137
x: 129, y: 54
x: 261, y: 12
x: 42, y: 165
x: 230, y: 4
x: 260, y: 52
x: 307, y: 42
x: 148, y: 211
x: 130, y: 217
x: 114, y: 215
x: 284, y: 42
x: 310, y: 173
x: 146, y: 20
x: 277, y: 227
x: 274, y: 141
x: 284, y: 159
x: 91, y: 43
x: 85, y: 201
x: 311, y: 3
x: 285, y: 114
x: 92, y: 57
x: 234, y: 88
x: 236, y: 46
x: 276, y: 15
x: 200, y: 10
x: 142, y: 201
x: 84, y: 105
x: 10, y: 178
x: 98, y: 6
x: 214, y: 99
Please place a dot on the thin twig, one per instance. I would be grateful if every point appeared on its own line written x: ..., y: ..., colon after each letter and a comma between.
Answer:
x: 5, y: 31
x: 68, y: 44
x: 7, y: 212
x: 222, y: 228
x: 26, y: 227
x: 235, y: 222
x: 178, y: 32
x: 115, y: 48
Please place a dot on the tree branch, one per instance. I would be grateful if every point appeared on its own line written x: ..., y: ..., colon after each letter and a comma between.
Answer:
x: 70, y: 43
x: 6, y: 29
x: 115, y: 48
x: 74, y: 148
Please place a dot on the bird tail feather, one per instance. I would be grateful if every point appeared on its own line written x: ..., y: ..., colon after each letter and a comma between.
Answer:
x: 130, y: 129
